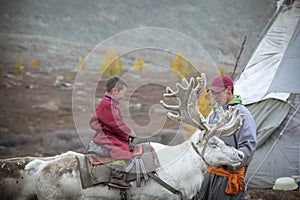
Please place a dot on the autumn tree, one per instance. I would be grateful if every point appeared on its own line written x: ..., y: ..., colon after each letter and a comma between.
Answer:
x: 111, y: 64
x: 80, y: 62
x: 181, y: 66
x: 138, y: 65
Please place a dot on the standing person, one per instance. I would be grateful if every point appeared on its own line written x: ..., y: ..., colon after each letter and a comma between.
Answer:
x: 225, y: 182
x: 112, y: 132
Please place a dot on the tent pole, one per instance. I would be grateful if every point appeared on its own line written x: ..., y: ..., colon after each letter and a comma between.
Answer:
x: 238, y: 57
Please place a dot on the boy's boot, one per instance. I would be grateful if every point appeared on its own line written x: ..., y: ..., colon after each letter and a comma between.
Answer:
x: 118, y: 177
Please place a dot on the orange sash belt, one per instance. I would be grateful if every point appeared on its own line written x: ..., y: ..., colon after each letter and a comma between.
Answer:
x: 235, y: 178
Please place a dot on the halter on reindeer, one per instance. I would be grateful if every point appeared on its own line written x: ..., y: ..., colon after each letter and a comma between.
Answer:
x: 176, y: 170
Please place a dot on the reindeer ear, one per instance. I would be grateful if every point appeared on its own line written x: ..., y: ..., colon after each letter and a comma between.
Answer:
x: 198, y: 136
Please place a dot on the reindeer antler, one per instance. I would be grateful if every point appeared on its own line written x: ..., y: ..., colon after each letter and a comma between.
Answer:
x: 229, y: 121
x: 187, y: 95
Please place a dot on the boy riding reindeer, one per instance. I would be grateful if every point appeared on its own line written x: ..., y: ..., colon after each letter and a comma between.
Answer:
x: 112, y: 133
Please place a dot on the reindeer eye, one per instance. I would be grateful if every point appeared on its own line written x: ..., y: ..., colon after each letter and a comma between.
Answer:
x: 213, y: 145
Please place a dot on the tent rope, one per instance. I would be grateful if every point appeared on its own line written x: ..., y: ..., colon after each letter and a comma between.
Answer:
x: 271, y: 149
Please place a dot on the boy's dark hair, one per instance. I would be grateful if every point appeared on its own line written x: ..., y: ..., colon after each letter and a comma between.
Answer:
x: 115, y: 82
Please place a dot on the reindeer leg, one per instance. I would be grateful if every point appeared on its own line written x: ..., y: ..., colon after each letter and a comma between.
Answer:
x: 123, y: 194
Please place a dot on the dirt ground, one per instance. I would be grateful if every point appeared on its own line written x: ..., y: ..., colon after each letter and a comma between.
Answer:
x: 269, y: 194
x: 32, y: 108
x: 36, y: 111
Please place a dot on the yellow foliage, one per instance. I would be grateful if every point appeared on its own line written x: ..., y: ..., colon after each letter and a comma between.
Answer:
x: 18, y: 67
x: 222, y: 69
x: 111, y: 65
x: 33, y: 63
x: 138, y: 65
x: 188, y: 131
x: 181, y: 66
x: 80, y: 62
x: 204, y: 103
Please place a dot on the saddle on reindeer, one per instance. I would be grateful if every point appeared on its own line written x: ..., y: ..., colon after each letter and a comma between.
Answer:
x: 95, y: 167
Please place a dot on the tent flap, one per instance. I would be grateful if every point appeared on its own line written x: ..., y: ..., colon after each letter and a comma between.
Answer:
x: 273, y: 53
x: 265, y: 125
x: 286, y: 78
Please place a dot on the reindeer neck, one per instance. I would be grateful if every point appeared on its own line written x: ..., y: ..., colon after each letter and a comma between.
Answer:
x: 178, y: 154
x: 181, y: 166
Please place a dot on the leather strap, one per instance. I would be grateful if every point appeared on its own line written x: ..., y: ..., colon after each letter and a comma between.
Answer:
x: 143, y: 169
x: 196, y: 150
x: 165, y: 185
x: 138, y: 173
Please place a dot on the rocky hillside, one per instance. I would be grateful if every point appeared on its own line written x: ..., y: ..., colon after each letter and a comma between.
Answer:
x: 40, y: 29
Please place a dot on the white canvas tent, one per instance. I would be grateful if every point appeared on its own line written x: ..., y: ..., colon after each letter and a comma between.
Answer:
x: 270, y: 88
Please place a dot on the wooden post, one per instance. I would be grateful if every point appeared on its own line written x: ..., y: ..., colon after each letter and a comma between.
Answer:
x: 238, y: 57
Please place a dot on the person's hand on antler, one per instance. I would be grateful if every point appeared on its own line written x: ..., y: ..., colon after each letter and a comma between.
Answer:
x: 132, y: 134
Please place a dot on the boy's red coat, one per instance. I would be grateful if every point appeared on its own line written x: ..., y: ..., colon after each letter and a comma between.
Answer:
x: 108, y: 118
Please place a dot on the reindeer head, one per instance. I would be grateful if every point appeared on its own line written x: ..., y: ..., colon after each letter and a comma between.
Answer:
x: 207, y: 144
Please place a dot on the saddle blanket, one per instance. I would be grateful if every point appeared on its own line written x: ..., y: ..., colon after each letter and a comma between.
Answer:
x: 100, y: 160
x: 98, y: 172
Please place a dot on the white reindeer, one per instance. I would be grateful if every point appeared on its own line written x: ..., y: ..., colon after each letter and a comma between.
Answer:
x: 181, y: 166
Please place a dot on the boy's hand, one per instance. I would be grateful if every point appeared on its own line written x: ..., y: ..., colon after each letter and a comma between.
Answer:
x: 132, y: 134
